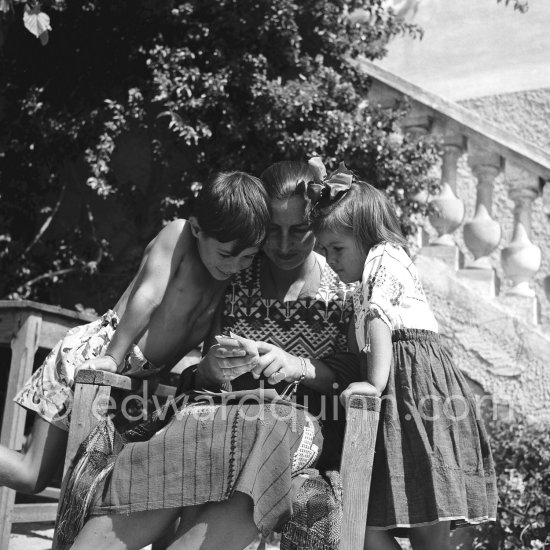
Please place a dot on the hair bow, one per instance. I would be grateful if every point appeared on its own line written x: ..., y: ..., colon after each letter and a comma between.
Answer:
x: 326, y: 190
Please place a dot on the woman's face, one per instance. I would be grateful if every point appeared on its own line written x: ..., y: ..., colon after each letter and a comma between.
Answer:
x: 290, y: 240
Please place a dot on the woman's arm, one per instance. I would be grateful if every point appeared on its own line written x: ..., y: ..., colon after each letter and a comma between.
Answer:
x: 278, y: 365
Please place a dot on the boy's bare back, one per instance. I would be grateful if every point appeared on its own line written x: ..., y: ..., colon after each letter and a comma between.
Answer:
x: 173, y: 278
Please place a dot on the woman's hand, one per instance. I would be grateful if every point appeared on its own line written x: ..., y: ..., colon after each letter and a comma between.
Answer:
x: 227, y: 360
x: 358, y: 388
x: 105, y: 363
x: 276, y: 364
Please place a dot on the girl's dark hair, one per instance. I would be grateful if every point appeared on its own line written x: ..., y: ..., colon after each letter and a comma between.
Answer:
x: 286, y: 178
x: 363, y: 211
x: 234, y: 206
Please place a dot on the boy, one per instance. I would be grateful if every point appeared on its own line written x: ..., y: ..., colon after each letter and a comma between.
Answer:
x: 164, y: 313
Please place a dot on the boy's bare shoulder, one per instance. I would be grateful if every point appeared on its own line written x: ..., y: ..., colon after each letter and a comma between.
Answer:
x: 174, y: 236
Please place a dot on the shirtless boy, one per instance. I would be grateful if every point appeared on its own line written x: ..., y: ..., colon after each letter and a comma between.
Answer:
x: 164, y: 313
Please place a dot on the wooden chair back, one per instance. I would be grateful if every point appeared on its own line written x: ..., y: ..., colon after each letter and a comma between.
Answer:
x: 26, y: 327
x: 357, y: 458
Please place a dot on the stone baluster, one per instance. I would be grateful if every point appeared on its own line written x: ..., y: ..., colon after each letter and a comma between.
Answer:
x: 521, y: 259
x: 416, y: 124
x: 448, y: 210
x: 482, y: 234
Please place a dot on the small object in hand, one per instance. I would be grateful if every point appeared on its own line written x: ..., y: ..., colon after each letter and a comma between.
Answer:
x: 279, y: 375
x: 231, y: 345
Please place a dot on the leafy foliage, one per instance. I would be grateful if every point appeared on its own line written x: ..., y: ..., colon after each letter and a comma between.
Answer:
x: 520, y: 5
x: 522, y: 459
x: 104, y: 131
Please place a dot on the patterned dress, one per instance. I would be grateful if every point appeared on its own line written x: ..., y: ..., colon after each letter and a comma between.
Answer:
x: 433, y: 461
x: 313, y: 326
x: 205, y: 454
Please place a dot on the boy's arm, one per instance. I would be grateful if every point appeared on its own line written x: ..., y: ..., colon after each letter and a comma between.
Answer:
x: 164, y: 257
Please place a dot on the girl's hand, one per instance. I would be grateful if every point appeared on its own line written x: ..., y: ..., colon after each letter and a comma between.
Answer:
x: 105, y: 363
x: 358, y: 388
x: 276, y: 364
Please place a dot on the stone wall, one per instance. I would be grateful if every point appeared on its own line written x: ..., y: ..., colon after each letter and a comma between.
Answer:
x: 504, y: 356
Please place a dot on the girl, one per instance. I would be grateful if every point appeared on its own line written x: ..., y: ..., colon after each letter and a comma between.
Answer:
x: 433, y: 467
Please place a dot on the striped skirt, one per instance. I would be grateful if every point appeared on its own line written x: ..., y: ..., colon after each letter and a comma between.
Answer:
x: 207, y: 452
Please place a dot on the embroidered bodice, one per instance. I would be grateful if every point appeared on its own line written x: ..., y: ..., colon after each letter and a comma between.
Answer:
x: 314, y: 327
x: 391, y: 290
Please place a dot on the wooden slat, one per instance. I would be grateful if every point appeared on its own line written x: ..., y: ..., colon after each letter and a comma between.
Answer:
x: 29, y: 513
x: 50, y: 492
x: 23, y: 348
x: 56, y: 320
x: 84, y: 416
x: 524, y: 154
x: 55, y: 328
x: 102, y: 378
x: 36, y: 307
x: 356, y: 468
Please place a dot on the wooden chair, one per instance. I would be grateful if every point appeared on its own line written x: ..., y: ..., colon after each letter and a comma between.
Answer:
x: 357, y: 458
x: 27, y: 327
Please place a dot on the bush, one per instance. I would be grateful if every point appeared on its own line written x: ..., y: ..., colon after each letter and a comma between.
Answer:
x: 105, y: 130
x: 522, y: 461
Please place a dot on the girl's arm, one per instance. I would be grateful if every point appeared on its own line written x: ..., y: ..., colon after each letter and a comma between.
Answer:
x: 163, y: 259
x: 376, y: 361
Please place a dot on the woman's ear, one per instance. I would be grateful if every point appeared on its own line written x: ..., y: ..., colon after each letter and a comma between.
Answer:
x: 195, y: 227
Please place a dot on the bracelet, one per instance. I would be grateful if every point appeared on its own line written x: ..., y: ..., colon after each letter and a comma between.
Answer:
x: 303, y: 364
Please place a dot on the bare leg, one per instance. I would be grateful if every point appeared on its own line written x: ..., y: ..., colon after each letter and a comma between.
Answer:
x: 228, y: 524
x: 30, y: 470
x: 125, y: 532
x: 376, y: 539
x: 431, y: 537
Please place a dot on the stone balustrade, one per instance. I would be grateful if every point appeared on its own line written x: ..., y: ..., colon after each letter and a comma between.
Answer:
x: 492, y: 154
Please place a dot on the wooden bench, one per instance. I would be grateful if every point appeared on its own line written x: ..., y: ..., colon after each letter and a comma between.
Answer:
x: 357, y: 458
x: 26, y: 327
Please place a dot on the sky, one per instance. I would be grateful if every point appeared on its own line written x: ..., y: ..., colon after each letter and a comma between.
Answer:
x: 475, y: 48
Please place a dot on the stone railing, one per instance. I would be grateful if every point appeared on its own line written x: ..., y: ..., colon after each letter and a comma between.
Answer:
x: 491, y: 152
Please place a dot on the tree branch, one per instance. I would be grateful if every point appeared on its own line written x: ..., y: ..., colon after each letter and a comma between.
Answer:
x: 48, y: 221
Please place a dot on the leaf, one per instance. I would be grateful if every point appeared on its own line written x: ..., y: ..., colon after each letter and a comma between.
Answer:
x: 38, y: 23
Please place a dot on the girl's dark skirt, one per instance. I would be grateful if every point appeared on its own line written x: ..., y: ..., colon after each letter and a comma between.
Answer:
x: 433, y: 461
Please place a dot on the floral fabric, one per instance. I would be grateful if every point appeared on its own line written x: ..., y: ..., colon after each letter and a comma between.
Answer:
x: 390, y: 290
x: 49, y: 392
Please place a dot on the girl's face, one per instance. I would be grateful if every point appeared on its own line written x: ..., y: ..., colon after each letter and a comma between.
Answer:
x: 290, y: 239
x: 342, y: 254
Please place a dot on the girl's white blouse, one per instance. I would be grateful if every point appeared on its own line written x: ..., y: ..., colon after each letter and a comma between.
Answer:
x: 391, y: 290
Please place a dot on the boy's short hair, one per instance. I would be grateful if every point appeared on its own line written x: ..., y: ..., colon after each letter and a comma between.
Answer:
x: 234, y: 206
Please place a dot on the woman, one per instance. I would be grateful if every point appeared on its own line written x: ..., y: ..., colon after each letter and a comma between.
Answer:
x: 297, y: 311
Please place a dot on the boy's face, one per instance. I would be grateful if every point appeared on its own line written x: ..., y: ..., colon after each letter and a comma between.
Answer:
x: 218, y: 257
x: 290, y: 239
x: 342, y: 254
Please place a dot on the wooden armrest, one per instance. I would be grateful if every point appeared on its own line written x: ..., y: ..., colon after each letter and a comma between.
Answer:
x: 103, y: 378
x: 356, y: 467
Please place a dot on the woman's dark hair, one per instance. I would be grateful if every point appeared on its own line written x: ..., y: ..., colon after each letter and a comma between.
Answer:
x: 286, y: 178
x: 234, y: 206
x: 363, y: 211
